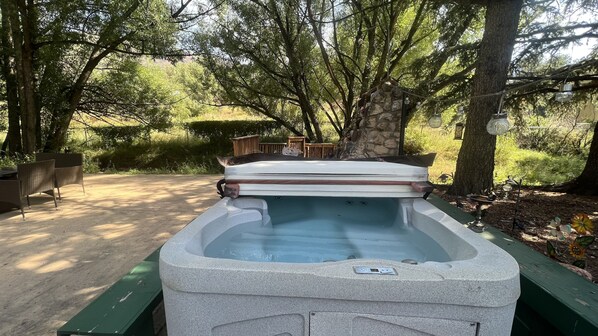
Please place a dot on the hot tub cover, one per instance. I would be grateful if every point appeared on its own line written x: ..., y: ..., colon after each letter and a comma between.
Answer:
x: 328, y: 178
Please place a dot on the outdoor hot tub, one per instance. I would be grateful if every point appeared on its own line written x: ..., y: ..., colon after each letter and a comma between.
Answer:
x: 333, y: 248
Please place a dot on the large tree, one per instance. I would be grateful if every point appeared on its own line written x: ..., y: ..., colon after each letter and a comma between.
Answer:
x: 55, y: 46
x: 339, y: 51
x: 475, y: 164
x: 546, y: 29
x: 13, y: 138
x: 260, y: 52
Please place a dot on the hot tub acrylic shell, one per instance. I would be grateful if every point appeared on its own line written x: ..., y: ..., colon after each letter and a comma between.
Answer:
x: 473, y: 293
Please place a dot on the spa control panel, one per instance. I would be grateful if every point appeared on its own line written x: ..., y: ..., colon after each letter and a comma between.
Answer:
x: 382, y: 270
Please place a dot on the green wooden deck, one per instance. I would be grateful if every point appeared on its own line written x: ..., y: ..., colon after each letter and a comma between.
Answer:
x: 554, y: 300
x: 131, y: 307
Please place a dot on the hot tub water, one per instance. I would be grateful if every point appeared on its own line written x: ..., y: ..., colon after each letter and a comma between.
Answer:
x: 342, y: 229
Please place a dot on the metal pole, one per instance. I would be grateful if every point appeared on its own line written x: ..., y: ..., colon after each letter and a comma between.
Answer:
x: 402, y: 125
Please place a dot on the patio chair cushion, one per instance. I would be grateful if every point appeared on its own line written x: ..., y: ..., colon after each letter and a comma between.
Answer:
x: 69, y: 167
x: 36, y: 177
x: 10, y: 195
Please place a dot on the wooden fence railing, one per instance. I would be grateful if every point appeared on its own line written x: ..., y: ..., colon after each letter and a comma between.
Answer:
x: 319, y: 150
x: 272, y: 148
x: 251, y: 144
x: 246, y: 145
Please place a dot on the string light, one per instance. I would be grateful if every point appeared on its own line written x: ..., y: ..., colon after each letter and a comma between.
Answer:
x: 500, y: 93
x: 565, y: 94
x: 435, y: 121
x: 499, y: 124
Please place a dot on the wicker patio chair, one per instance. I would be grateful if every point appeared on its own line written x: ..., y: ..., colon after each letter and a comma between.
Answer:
x: 36, y: 177
x: 10, y: 193
x: 68, y: 170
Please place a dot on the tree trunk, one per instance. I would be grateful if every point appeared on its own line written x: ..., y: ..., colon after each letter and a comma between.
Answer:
x: 63, y: 114
x: 25, y: 65
x: 587, y: 182
x: 13, y: 136
x: 475, y: 164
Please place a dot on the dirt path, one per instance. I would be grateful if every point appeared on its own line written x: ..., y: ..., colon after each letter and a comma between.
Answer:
x: 57, y: 261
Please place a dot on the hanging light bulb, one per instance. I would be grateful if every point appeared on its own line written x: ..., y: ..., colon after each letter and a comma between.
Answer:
x: 499, y: 124
x: 435, y: 121
x: 565, y: 94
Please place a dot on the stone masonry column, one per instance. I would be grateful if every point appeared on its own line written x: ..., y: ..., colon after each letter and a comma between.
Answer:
x: 376, y: 127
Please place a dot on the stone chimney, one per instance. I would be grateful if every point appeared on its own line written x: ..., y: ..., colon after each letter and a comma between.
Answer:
x: 375, y: 130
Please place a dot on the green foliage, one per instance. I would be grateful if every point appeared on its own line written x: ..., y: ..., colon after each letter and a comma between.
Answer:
x: 224, y: 130
x: 111, y: 136
x: 536, y: 168
x: 130, y: 91
x: 543, y: 169
x: 555, y: 128
x: 72, y: 39
x: 166, y: 156
x: 585, y: 241
x: 414, y: 143
x: 3, y: 120
x: 183, y: 88
x: 7, y: 162
x: 553, y: 141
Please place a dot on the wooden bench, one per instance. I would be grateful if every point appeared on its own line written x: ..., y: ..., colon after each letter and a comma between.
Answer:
x: 132, y: 306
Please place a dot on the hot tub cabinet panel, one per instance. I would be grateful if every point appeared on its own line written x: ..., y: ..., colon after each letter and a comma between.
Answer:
x: 455, y: 284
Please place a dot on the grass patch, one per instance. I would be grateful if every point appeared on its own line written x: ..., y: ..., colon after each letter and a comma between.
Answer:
x: 536, y: 168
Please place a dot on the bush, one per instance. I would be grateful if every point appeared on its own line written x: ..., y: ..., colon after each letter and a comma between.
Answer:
x: 165, y: 156
x: 553, y: 141
x: 111, y: 136
x: 227, y: 129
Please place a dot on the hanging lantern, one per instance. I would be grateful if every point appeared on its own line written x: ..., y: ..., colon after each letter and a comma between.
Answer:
x: 565, y: 94
x: 459, y: 130
x: 435, y: 121
x: 499, y: 124
x: 506, y: 188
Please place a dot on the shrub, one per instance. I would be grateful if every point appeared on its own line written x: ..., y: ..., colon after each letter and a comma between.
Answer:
x: 111, y: 136
x: 553, y: 141
x: 165, y: 156
x: 227, y: 129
